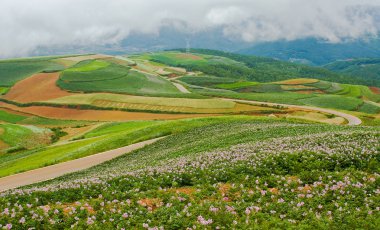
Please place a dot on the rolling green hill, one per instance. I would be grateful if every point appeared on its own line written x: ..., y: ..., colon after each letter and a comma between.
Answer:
x: 259, y: 68
x: 102, y: 76
x: 227, y: 172
x: 12, y: 71
x: 367, y: 68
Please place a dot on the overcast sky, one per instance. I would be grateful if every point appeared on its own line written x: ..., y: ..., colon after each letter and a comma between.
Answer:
x: 26, y: 25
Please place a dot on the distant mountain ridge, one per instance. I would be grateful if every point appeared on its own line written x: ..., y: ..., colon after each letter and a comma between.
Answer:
x: 366, y: 68
x: 315, y: 52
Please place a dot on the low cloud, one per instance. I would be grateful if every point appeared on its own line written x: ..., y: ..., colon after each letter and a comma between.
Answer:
x: 28, y: 25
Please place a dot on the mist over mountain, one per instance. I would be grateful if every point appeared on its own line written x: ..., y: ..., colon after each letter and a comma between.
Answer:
x: 36, y: 27
x: 314, y: 51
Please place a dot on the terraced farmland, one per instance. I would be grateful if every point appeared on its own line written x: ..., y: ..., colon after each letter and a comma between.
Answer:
x: 158, y: 104
x: 113, y: 78
x: 12, y: 71
x: 221, y: 162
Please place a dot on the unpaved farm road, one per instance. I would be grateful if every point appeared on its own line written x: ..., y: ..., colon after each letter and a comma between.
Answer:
x: 352, y: 120
x: 181, y: 87
x: 53, y: 171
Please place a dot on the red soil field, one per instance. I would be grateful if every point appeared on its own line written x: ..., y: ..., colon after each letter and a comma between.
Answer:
x: 3, y: 145
x: 96, y: 115
x: 310, y: 91
x: 86, y: 57
x: 39, y: 87
x: 188, y: 56
x: 375, y: 90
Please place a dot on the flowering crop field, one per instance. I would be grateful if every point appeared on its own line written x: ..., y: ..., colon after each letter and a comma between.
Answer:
x: 243, y: 174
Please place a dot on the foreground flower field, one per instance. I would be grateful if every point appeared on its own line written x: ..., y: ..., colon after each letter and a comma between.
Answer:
x: 238, y: 175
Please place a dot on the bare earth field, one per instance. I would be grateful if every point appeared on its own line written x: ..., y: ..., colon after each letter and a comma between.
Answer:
x: 95, y: 115
x: 39, y: 87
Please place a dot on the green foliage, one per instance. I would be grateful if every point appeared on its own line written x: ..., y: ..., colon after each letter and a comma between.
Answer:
x: 334, y: 101
x: 264, y: 69
x: 239, y: 174
x: 369, y: 108
x: 12, y: 71
x: 206, y: 81
x: 237, y: 85
x: 263, y: 88
x: 3, y: 90
x: 103, y: 139
x: 366, y: 68
x: 20, y: 137
x: 115, y: 79
x: 57, y: 134
x: 10, y: 117
x: 89, y: 65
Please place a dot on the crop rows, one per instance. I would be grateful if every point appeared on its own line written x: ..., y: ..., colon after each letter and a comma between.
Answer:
x: 288, y: 176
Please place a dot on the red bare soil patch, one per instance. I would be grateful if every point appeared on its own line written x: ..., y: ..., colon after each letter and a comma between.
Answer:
x: 310, y: 91
x: 39, y: 87
x: 96, y: 115
x: 188, y: 56
x: 375, y: 90
x: 3, y: 145
x: 150, y: 203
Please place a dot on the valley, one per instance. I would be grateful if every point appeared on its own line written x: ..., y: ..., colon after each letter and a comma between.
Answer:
x: 210, y: 133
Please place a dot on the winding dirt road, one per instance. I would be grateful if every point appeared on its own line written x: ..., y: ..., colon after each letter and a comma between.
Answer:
x: 352, y: 120
x: 53, y: 171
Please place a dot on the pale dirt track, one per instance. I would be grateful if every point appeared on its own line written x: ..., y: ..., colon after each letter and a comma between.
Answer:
x: 181, y: 87
x: 53, y: 171
x: 352, y: 120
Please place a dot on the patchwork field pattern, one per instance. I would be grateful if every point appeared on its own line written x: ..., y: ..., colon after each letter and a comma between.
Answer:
x: 39, y: 87
x: 114, y: 78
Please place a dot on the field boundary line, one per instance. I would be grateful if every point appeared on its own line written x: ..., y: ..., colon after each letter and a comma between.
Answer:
x: 352, y: 120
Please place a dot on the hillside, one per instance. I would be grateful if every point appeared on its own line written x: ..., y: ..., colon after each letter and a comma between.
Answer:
x: 232, y: 173
x: 368, y: 68
x: 243, y: 140
x: 315, y: 52
x: 268, y: 69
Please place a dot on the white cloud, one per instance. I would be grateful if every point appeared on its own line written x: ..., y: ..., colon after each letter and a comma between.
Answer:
x: 26, y: 25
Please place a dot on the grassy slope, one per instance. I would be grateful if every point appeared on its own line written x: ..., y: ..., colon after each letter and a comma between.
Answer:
x: 114, y: 138
x: 266, y: 69
x: 24, y: 137
x: 12, y: 71
x: 253, y: 189
x: 90, y: 77
x: 157, y: 101
x: 11, y: 118
x: 366, y: 68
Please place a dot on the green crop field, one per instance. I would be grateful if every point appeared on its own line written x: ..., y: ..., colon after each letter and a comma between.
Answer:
x: 334, y: 101
x: 12, y: 71
x: 205, y: 80
x: 236, y: 85
x: 101, y: 139
x: 3, y: 90
x: 230, y: 165
x: 233, y: 173
x: 24, y: 137
x: 152, y: 101
x: 10, y: 118
x: 90, y: 65
x: 113, y: 78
